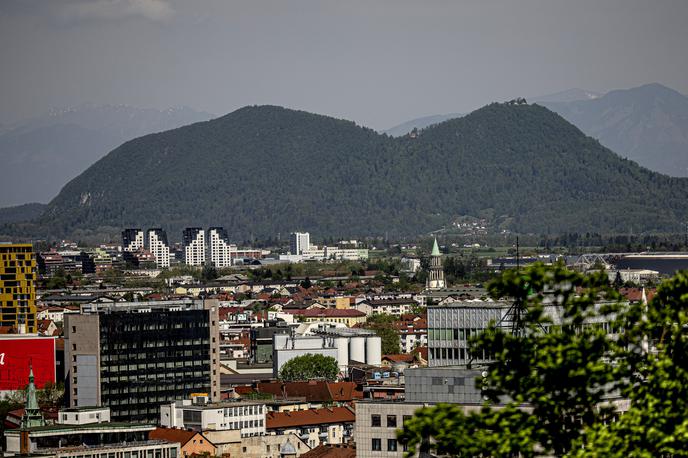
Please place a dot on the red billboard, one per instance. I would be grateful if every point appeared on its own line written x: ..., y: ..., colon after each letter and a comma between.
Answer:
x: 17, y: 353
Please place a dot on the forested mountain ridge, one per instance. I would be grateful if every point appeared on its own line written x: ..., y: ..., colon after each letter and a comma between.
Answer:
x: 265, y: 170
x: 648, y: 124
x: 53, y: 148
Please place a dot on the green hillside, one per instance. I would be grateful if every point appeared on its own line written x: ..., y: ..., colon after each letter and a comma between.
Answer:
x: 263, y: 170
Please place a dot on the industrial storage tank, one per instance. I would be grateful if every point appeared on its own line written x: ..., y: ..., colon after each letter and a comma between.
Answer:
x: 342, y: 344
x: 373, y: 350
x: 357, y: 349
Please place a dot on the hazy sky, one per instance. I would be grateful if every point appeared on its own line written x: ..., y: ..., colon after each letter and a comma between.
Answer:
x: 377, y: 62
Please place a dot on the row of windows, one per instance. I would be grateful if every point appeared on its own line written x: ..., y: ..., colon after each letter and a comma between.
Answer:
x: 450, y: 353
x: 376, y: 420
x: 167, y: 353
x: 186, y: 364
x: 392, y: 445
x: 462, y: 334
x: 243, y: 410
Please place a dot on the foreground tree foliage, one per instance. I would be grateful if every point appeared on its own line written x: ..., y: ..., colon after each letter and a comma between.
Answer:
x: 553, y: 381
x: 309, y: 367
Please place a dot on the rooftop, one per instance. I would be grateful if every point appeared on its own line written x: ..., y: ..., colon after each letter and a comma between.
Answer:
x: 329, y: 415
x: 175, y: 435
x: 173, y: 305
x: 59, y: 429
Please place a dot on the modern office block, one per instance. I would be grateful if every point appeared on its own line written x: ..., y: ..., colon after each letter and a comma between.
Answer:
x: 135, y: 356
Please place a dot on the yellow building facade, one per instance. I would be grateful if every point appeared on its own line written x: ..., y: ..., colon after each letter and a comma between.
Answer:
x: 18, y: 287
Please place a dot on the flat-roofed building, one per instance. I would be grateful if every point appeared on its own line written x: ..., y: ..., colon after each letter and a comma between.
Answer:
x: 135, y: 356
x: 247, y: 417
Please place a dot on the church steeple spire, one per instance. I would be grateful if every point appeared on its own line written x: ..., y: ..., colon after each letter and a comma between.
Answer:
x: 435, y: 249
x: 32, y: 413
x: 436, y: 274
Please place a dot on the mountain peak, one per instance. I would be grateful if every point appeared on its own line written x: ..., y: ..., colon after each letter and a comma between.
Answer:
x: 264, y: 169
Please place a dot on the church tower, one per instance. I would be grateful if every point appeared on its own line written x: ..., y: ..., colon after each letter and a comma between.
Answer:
x: 32, y: 413
x: 436, y: 274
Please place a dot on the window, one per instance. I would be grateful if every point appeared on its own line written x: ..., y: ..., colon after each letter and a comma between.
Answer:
x: 405, y: 418
x: 391, y: 421
x: 391, y: 445
x: 375, y: 420
x: 377, y: 444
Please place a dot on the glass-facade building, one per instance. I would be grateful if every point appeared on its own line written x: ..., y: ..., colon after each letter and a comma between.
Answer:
x: 133, y: 357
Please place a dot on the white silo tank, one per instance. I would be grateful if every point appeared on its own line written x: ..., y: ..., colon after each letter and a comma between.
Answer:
x: 373, y: 350
x: 357, y: 349
x: 342, y: 344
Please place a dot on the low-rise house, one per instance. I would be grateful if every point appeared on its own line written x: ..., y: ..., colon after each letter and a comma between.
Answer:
x: 333, y: 425
x: 349, y: 317
x: 191, y: 443
x: 47, y: 327
x: 413, y: 332
x: 393, y: 306
x: 271, y: 446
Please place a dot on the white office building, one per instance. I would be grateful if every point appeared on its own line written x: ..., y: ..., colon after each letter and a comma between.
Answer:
x: 193, y: 241
x: 221, y: 251
x: 299, y: 242
x: 158, y: 246
x: 247, y: 417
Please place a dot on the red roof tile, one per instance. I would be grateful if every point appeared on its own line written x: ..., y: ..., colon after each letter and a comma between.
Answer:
x: 330, y: 415
x: 331, y: 451
x: 313, y: 391
x: 175, y: 435
x: 328, y: 313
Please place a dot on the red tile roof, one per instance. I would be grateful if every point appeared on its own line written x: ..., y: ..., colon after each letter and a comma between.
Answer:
x: 43, y: 325
x: 422, y: 351
x: 328, y: 313
x: 331, y: 451
x: 329, y: 415
x: 225, y: 312
x: 313, y: 391
x: 636, y: 294
x: 175, y: 435
x: 399, y: 358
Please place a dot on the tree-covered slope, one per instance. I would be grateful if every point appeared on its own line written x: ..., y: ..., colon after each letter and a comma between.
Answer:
x: 530, y: 164
x: 264, y: 170
x: 21, y: 213
x: 54, y: 148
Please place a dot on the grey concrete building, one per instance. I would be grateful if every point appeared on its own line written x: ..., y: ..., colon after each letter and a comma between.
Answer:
x: 377, y: 423
x: 135, y: 356
x: 456, y: 385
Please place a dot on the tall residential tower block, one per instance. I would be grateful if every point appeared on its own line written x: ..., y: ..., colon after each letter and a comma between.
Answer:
x: 18, y: 287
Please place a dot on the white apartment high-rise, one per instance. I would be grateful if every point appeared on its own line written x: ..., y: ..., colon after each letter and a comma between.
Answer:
x: 220, y: 248
x: 132, y: 239
x: 158, y: 246
x: 299, y: 242
x: 193, y: 241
